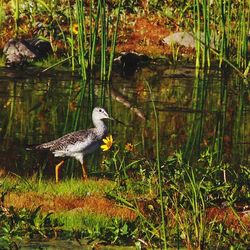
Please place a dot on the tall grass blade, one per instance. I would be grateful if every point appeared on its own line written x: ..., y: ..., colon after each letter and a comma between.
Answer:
x: 114, y: 38
x: 81, y: 37
x: 160, y: 183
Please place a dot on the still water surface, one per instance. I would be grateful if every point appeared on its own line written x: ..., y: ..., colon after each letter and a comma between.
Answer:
x: 196, y: 111
x: 68, y: 245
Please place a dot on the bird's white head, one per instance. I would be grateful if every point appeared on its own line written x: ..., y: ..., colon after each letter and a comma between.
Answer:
x: 99, y: 114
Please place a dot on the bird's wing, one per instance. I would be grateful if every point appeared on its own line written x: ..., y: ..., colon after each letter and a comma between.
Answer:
x: 85, y: 137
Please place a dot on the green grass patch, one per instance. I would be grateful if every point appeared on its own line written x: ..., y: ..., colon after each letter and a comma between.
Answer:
x: 91, y: 226
x: 202, y: 203
x: 67, y: 187
x: 78, y: 220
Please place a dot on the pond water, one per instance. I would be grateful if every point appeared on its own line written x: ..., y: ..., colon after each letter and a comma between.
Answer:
x: 68, y: 245
x: 196, y: 110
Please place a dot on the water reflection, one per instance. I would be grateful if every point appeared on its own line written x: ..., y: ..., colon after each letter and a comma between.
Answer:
x: 68, y: 245
x: 196, y: 110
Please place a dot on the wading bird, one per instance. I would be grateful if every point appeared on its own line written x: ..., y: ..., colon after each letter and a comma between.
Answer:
x: 79, y: 143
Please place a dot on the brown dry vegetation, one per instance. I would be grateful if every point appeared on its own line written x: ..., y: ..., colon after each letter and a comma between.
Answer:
x: 93, y: 204
x: 227, y: 216
x: 143, y: 34
x: 151, y: 210
x: 99, y: 204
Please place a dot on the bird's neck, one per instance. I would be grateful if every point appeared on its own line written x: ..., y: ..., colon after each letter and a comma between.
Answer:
x: 100, y: 126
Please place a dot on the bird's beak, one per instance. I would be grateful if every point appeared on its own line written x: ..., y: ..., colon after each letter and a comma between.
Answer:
x: 116, y: 120
x: 120, y: 122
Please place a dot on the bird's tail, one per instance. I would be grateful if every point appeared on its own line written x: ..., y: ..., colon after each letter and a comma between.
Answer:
x: 31, y: 147
x: 43, y: 146
x: 36, y: 147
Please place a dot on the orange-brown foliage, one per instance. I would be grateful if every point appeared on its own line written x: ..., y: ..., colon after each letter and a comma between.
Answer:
x: 228, y: 217
x: 143, y: 35
x: 93, y: 204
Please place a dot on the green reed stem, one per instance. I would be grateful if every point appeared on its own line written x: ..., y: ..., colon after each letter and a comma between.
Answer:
x: 79, y: 106
x: 90, y: 29
x: 237, y: 70
x: 81, y: 37
x: 114, y: 38
x: 16, y: 16
x: 66, y: 123
x: 238, y: 124
x: 228, y: 26
x: 196, y: 119
x: 197, y: 26
x: 198, y: 206
x: 9, y: 129
x: 221, y: 122
x: 223, y: 45
x: 104, y: 31
x: 206, y: 51
x: 72, y: 50
x: 246, y: 70
x: 94, y: 36
x: 56, y: 64
x: 2, y: 13
x: 103, y: 40
x: 159, y: 168
x: 243, y: 30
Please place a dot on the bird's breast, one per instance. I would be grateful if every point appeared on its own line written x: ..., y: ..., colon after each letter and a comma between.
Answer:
x: 87, y: 146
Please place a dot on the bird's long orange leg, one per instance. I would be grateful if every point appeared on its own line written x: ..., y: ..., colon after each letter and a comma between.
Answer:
x: 58, y: 166
x: 84, y: 171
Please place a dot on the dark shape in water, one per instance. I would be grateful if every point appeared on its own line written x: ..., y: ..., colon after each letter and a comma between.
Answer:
x: 19, y: 52
x: 127, y: 103
x: 130, y: 61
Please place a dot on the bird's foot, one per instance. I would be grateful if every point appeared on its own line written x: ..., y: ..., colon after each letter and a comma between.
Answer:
x: 57, y: 168
x: 84, y: 172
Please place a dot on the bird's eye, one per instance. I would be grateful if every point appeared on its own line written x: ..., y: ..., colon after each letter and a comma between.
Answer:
x: 100, y: 110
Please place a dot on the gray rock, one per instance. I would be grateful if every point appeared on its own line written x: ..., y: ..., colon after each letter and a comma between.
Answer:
x: 182, y: 38
x: 20, y: 52
x: 186, y: 39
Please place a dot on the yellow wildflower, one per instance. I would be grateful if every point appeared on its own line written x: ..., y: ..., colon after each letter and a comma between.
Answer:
x: 129, y: 147
x: 75, y: 28
x: 108, y: 142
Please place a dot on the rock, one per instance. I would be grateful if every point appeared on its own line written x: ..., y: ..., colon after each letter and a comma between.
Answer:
x: 19, y: 52
x: 129, y: 62
x: 186, y: 39
x: 43, y: 48
x: 182, y: 38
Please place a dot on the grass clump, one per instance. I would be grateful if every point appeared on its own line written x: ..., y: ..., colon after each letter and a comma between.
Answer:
x: 92, y: 226
x: 64, y: 210
x: 199, y: 199
x: 68, y: 187
x: 201, y: 203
